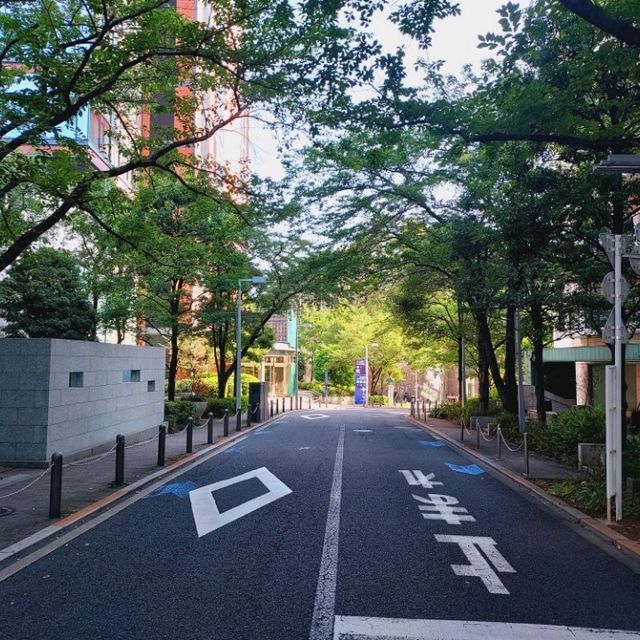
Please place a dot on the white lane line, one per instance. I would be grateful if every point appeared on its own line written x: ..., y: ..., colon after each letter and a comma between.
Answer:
x: 324, y: 608
x: 362, y: 628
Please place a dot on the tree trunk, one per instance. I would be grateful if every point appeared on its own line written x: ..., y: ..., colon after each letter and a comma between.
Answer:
x: 485, y: 347
x: 538, y: 363
x: 483, y: 380
x: 510, y: 401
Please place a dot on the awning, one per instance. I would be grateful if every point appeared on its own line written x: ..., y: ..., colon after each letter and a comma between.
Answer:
x: 588, y: 354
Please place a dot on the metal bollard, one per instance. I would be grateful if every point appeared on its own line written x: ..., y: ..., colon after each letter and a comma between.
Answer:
x: 290, y: 403
x: 190, y: 435
x: 119, y: 460
x: 271, y: 408
x: 210, y: 428
x: 239, y: 420
x: 477, y: 435
x: 248, y: 416
x: 309, y: 402
x: 499, y: 436
x: 55, y: 489
x: 162, y: 443
x: 526, y: 454
x: 225, y: 422
x: 284, y: 404
x: 461, y: 428
x: 424, y: 410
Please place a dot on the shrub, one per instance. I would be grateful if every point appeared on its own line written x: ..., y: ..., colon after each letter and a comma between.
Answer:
x: 217, y: 406
x: 317, y: 388
x: 378, y: 400
x: 631, y: 459
x: 454, y: 410
x: 177, y: 412
x: 184, y: 385
x: 559, y: 439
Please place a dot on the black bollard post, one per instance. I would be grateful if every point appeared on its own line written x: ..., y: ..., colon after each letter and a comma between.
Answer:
x: 499, y: 444
x: 461, y: 428
x: 478, y: 435
x: 284, y: 404
x: 55, y: 489
x: 119, y: 460
x: 239, y: 420
x: 291, y: 403
x: 271, y: 408
x: 526, y: 454
x: 248, y: 416
x: 162, y: 443
x: 309, y: 402
x: 190, y: 435
x: 225, y: 422
x: 210, y: 428
x: 411, y: 410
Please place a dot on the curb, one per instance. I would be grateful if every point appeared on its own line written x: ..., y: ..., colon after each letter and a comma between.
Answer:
x: 61, y: 525
x: 594, y: 526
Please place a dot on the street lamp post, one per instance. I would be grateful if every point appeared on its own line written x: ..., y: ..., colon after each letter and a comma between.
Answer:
x: 366, y: 368
x: 254, y: 280
x: 615, y: 289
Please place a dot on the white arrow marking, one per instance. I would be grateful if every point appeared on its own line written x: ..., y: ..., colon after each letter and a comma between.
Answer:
x: 205, y: 510
x: 314, y: 416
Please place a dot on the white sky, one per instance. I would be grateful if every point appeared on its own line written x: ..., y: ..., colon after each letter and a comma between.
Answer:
x: 455, y: 40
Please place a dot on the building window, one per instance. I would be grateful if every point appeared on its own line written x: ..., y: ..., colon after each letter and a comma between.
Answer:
x: 151, y: 386
x: 131, y: 375
x: 76, y: 379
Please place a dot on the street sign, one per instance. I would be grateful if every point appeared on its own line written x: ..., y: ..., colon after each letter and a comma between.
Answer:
x: 609, y: 285
x: 634, y: 256
x: 609, y: 330
x: 607, y: 242
x: 361, y: 381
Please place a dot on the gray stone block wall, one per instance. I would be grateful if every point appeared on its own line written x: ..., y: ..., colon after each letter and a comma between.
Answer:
x: 40, y: 413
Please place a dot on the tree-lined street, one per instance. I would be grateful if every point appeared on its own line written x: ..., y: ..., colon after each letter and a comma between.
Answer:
x: 320, y: 525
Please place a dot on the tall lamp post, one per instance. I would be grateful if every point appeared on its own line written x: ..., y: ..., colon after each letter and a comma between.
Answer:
x: 366, y: 368
x: 616, y: 288
x: 254, y: 280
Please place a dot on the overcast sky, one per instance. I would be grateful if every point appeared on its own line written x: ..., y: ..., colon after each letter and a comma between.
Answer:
x: 455, y: 41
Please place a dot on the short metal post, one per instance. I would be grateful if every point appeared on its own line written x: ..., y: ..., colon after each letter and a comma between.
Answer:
x: 309, y: 402
x: 225, y: 422
x: 210, y: 428
x: 290, y: 403
x: 499, y: 436
x: 424, y: 410
x: 248, y: 416
x: 411, y: 410
x: 55, y: 489
x: 190, y: 435
x: 461, y: 428
x: 526, y: 454
x: 119, y: 460
x: 162, y: 443
x: 284, y: 404
x: 271, y: 408
x: 239, y: 420
x: 478, y: 435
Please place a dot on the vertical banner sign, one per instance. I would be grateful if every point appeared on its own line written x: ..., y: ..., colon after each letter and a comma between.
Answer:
x: 326, y: 384
x: 361, y: 381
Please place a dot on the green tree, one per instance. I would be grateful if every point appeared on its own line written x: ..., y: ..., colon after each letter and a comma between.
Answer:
x: 44, y: 296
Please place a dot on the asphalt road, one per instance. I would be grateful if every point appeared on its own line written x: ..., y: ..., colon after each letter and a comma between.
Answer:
x: 321, y: 528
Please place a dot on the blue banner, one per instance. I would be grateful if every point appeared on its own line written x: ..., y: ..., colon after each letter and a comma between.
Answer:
x: 361, y: 381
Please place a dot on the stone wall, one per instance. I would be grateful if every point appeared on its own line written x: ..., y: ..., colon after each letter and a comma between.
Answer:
x: 75, y: 397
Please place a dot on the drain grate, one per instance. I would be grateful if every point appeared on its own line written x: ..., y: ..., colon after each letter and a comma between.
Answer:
x: 6, y: 511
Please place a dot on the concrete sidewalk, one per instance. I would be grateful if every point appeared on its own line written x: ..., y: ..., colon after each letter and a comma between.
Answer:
x: 512, y: 453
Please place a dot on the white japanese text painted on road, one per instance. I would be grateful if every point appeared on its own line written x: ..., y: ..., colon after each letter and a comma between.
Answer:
x: 206, y: 514
x: 439, y: 507
x: 417, y: 478
x: 479, y: 567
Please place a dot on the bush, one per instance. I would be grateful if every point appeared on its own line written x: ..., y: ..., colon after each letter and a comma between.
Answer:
x: 454, y: 410
x: 317, y: 388
x: 217, y: 406
x: 184, y: 385
x: 559, y: 439
x: 382, y: 400
x: 177, y: 412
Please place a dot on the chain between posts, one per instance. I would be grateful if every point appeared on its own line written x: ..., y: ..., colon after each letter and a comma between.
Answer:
x: 42, y: 475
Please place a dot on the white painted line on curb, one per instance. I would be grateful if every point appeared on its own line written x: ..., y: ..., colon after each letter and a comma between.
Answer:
x: 324, y: 608
x: 364, y: 628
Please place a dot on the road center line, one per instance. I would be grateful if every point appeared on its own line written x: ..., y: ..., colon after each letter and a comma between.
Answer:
x: 324, y: 608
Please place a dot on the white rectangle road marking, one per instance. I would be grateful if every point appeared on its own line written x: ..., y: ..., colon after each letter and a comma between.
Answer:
x: 364, y: 628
